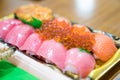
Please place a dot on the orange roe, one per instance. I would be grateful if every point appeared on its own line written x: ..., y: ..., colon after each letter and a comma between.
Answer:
x: 71, y: 37
x: 54, y: 28
x: 42, y: 36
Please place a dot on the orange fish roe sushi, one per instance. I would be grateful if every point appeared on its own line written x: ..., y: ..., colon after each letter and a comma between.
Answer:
x: 80, y: 36
x: 55, y: 28
x: 83, y: 41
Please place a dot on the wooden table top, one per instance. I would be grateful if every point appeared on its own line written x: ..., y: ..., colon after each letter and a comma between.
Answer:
x: 99, y: 14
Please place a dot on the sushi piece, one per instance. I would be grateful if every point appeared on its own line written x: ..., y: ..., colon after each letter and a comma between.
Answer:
x: 53, y: 52
x: 19, y: 34
x: 7, y: 25
x: 57, y: 27
x: 33, y: 14
x: 32, y: 43
x: 79, y: 36
x: 82, y: 37
x: 104, y: 47
x: 34, y: 10
x: 79, y: 62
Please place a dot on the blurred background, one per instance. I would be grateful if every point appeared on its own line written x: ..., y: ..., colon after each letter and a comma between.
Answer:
x: 99, y: 14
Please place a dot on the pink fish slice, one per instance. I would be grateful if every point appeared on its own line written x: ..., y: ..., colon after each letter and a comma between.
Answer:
x: 6, y: 26
x: 53, y: 52
x: 19, y: 34
x: 32, y: 44
x: 78, y: 62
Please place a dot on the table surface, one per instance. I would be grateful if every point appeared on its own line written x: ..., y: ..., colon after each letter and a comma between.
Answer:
x: 99, y: 14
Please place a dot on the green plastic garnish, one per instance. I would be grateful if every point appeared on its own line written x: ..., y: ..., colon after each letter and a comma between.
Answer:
x: 83, y: 50
x: 36, y: 23
x: 9, y: 71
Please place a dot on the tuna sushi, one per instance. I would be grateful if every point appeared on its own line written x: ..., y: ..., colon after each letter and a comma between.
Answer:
x: 53, y: 52
x: 19, y: 34
x: 32, y: 43
x: 7, y: 25
x: 79, y: 62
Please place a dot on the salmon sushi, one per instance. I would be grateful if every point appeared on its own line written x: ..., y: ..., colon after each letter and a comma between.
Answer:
x: 104, y: 47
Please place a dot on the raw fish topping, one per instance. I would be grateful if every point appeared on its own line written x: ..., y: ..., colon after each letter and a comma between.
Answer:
x: 104, y: 48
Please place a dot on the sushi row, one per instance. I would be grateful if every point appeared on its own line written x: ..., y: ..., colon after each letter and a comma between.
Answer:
x: 75, y: 60
x: 72, y: 48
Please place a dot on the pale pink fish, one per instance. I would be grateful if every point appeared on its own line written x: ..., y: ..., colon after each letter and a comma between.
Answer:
x: 78, y: 62
x: 53, y: 52
x: 7, y: 25
x: 32, y: 43
x: 19, y: 34
x: 62, y: 21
